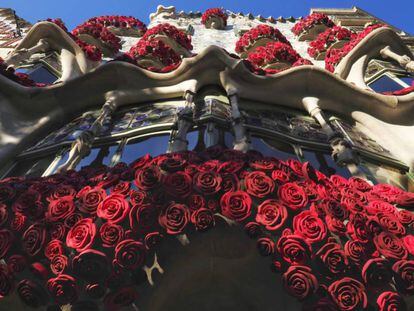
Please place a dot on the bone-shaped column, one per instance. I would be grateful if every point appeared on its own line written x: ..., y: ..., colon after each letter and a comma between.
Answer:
x: 16, y: 57
x: 241, y: 141
x: 81, y: 147
x: 342, y: 151
x: 405, y: 61
x: 184, y: 122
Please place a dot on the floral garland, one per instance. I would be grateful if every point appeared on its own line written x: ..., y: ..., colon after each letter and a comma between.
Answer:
x: 119, y: 21
x: 170, y: 31
x: 18, y: 77
x: 335, y: 241
x: 99, y: 32
x: 334, y: 56
x: 327, y: 38
x: 256, y: 33
x: 158, y: 50
x: 311, y: 20
x: 214, y: 12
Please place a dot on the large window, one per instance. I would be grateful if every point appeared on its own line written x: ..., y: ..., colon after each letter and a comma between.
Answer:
x: 39, y: 74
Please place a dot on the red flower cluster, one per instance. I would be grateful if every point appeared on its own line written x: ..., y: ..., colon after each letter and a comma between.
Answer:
x: 170, y: 31
x: 88, y: 233
x: 18, y: 77
x: 334, y: 56
x: 59, y: 22
x: 119, y: 21
x: 310, y: 21
x: 256, y: 33
x: 327, y: 38
x: 216, y: 12
x: 157, y: 50
x: 404, y: 91
x: 99, y: 32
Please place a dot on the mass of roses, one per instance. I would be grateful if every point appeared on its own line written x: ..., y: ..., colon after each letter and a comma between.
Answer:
x: 118, y: 21
x: 81, y: 238
x: 214, y: 12
x: 310, y: 21
x: 325, y: 39
x: 170, y: 31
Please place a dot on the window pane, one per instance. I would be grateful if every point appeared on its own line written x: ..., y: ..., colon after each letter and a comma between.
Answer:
x: 99, y: 155
x: 383, y: 174
x: 192, y: 138
x: 324, y: 163
x: 273, y: 148
x: 408, y: 80
x: 41, y: 75
x: 385, y: 84
x: 31, y: 167
x: 155, y: 145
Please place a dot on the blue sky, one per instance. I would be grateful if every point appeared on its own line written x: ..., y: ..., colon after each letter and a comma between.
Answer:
x: 399, y: 13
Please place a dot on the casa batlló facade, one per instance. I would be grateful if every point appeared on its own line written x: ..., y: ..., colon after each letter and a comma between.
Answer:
x: 207, y: 161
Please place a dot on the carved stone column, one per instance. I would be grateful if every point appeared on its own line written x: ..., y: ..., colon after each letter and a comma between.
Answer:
x: 16, y: 57
x: 241, y: 141
x: 405, y: 61
x: 81, y: 147
x: 184, y: 122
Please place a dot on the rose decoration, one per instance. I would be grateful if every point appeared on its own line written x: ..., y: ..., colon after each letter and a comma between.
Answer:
x: 300, y: 282
x: 348, y: 294
x: 236, y: 205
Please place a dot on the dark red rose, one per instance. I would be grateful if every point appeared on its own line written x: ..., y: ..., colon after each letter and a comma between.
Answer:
x: 390, y: 223
x: 272, y: 214
x: 310, y: 226
x: 16, y: 264
x: 203, y: 219
x: 63, y: 289
x: 113, y: 208
x: 352, y: 204
x: 389, y: 301
x: 230, y: 167
x: 130, y: 254
x: 137, y: 197
x: 406, y: 217
x: 387, y: 192
x: 4, y: 214
x: 258, y: 184
x: 294, y: 249
x: 29, y: 204
x: 147, y: 178
x: 81, y: 235
x: 171, y: 164
x: 280, y: 177
x: 111, y: 234
x: 121, y: 188
x: 152, y: 239
x: 6, y: 241
x: 57, y: 231
x: 356, y: 251
x: 141, y: 162
x: 143, y: 217
x: 405, y: 200
x: 62, y: 191
x: 95, y: 291
x: 309, y: 172
x: 178, y: 184
x: 195, y: 202
x: 376, y: 272
x: 58, y: 264
x: 89, y: 198
x: 34, y: 239
x: 265, y: 246
x: 300, y: 282
x: 209, y: 166
x: 404, y: 276
x: 39, y: 270
x: 348, y: 294
x: 72, y: 219
x: 409, y: 243
x: 109, y: 180
x: 6, y: 282
x: 230, y: 182
x: 336, y: 226
x: 32, y: 294
x: 333, y: 258
x: 7, y: 193
x: 207, y: 183
x: 121, y: 298
x: 252, y: 229
x: 90, y: 265
x: 334, y: 209
x: 60, y: 208
x: 359, y: 184
x: 174, y: 218
x: 236, y: 205
x: 266, y: 164
x: 377, y: 206
x: 53, y: 248
x: 338, y: 181
x: 358, y: 227
x: 191, y: 169
x: 390, y: 247
x: 293, y: 195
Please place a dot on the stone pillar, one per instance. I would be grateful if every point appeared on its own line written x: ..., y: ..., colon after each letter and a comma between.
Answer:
x: 241, y: 141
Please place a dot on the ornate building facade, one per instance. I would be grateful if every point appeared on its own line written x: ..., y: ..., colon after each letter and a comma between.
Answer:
x: 119, y: 135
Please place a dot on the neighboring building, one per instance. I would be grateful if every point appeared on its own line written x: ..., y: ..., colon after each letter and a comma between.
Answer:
x: 84, y: 99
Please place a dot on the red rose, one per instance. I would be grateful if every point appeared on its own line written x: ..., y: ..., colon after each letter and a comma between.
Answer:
x: 137, y: 197
x: 58, y: 264
x: 377, y: 206
x: 336, y: 226
x: 293, y: 195
x: 174, y: 218
x: 143, y: 217
x: 334, y: 209
x: 230, y: 182
x: 207, y: 183
x: 252, y: 229
x: 90, y: 198
x: 32, y: 294
x: 388, y: 301
x: 6, y: 283
x: 272, y: 214
x: 121, y: 188
x: 90, y: 265
x: 63, y: 289
x: 258, y: 184
x: 34, y: 239
x: 4, y: 214
x: 265, y: 246
x: 390, y: 247
x: 178, y: 184
x: 111, y: 234
x: 81, y: 235
x: 57, y: 231
x: 60, y: 208
x: 376, y: 272
x: 53, y: 248
x: 356, y: 251
x: 390, y: 223
x: 230, y: 167
x: 406, y: 217
x: 170, y: 164
x: 293, y: 249
x: 359, y: 184
x: 300, y: 282
x: 203, y: 219
x: 409, y: 243
x: 95, y: 291
x: 72, y: 219
x: 147, y: 178
x: 152, y: 239
x: 358, y: 227
x: 120, y: 299
x: 29, y: 204
x: 310, y: 226
x: 141, y: 162
x: 6, y: 241
x: 6, y: 193
x: 130, y: 254
x: 404, y: 276
x: 236, y: 205
x: 113, y: 208
x: 196, y: 201
x: 333, y: 258
x: 62, y: 191
x: 16, y: 264
x: 280, y: 177
x: 348, y: 294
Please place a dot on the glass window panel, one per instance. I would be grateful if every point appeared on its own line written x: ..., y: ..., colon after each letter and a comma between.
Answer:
x: 41, y: 75
x: 154, y: 145
x: 228, y: 139
x: 32, y: 167
x: 383, y: 174
x: 97, y: 156
x: 409, y: 80
x: 273, y: 148
x: 385, y: 84
x: 324, y: 163
x: 192, y: 138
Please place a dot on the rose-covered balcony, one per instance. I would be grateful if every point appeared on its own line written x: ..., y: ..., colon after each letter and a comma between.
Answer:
x: 311, y: 26
x: 214, y: 18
